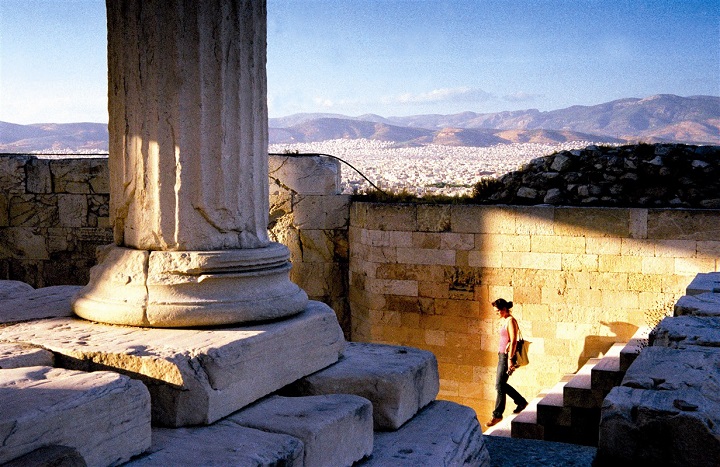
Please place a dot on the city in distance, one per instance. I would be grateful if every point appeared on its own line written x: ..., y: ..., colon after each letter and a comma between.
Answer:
x: 436, y: 153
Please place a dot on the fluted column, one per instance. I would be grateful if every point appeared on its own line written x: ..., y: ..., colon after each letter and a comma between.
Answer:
x: 189, y: 169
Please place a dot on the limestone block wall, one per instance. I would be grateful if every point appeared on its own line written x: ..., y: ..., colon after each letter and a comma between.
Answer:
x: 53, y: 214
x: 581, y: 279
x: 311, y: 217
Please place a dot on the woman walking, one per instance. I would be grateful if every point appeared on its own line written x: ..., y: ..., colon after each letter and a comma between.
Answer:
x: 506, y: 362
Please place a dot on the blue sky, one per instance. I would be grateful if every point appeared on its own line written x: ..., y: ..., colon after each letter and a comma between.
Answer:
x: 394, y: 57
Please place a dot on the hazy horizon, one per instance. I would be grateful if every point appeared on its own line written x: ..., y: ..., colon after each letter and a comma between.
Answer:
x: 394, y: 57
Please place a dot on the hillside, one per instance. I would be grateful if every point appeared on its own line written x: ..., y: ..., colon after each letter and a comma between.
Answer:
x: 660, y: 118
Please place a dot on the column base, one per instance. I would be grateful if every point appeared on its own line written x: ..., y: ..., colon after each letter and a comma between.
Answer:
x: 167, y: 289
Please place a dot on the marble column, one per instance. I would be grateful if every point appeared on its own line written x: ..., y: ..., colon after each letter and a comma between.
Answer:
x: 189, y: 170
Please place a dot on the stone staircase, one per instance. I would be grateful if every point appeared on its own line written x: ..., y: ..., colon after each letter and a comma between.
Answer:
x: 288, y: 392
x: 569, y: 412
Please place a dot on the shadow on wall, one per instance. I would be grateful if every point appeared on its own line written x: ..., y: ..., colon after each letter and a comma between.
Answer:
x: 597, y: 346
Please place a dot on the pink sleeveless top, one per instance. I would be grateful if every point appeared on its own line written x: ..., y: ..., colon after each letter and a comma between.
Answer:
x: 504, y: 337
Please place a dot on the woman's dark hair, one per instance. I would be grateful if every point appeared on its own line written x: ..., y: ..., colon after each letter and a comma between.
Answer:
x: 502, y: 304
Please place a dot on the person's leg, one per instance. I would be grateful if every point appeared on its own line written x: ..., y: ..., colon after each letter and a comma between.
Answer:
x: 500, y: 384
x: 514, y: 395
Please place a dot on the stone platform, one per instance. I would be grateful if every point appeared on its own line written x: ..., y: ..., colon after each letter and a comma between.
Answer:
x: 102, y: 415
x: 195, y: 376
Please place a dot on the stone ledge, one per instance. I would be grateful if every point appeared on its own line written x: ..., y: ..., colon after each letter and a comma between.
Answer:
x: 398, y: 381
x: 443, y: 433
x: 223, y: 443
x: 103, y: 415
x: 195, y: 376
x: 335, y: 429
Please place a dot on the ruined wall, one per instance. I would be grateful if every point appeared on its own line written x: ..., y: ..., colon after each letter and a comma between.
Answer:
x: 581, y: 279
x: 53, y: 214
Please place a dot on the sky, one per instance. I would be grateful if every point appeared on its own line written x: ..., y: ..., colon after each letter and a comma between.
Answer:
x: 394, y: 57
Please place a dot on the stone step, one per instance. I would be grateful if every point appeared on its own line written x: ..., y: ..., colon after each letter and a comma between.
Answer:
x: 398, y: 380
x: 632, y: 349
x: 707, y: 282
x: 23, y: 355
x: 579, y: 393
x: 195, y: 376
x: 555, y: 418
x: 442, y: 434
x: 46, y: 302
x: 606, y: 374
x: 222, y: 443
x: 524, y: 425
x: 336, y: 429
x: 703, y: 304
x: 104, y: 416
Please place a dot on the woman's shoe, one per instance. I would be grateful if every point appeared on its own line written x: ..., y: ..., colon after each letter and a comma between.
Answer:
x: 520, y: 408
x: 493, y: 422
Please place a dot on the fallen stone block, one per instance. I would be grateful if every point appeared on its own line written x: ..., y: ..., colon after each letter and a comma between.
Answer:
x: 650, y: 427
x: 49, y: 456
x: 704, y: 304
x: 223, y: 443
x: 681, y: 332
x: 398, y: 381
x: 195, y: 376
x: 667, y: 410
x: 103, y: 415
x: 47, y: 302
x: 442, y: 434
x: 14, y: 289
x: 704, y: 282
x: 335, y: 429
x: 21, y: 355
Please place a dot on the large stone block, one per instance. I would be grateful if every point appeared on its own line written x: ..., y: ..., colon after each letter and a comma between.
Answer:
x: 195, y: 376
x: 335, y: 429
x: 704, y: 282
x: 398, y: 381
x: 222, y: 443
x: 305, y: 175
x: 703, y: 304
x: 14, y: 289
x: 45, y: 302
x: 683, y: 225
x: 442, y: 434
x: 681, y: 332
x: 23, y: 355
x: 103, y: 415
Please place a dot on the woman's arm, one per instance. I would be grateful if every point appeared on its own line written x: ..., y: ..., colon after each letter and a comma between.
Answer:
x: 513, y: 334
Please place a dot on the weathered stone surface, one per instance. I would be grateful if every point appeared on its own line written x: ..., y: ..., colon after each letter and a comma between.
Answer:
x: 203, y: 183
x: 45, y: 302
x: 335, y: 429
x: 314, y: 175
x: 442, y: 434
x: 14, y: 289
x: 223, y: 443
x: 667, y: 410
x: 103, y: 415
x: 704, y: 282
x: 23, y: 355
x: 398, y: 381
x: 195, y: 376
x: 648, y: 427
x: 683, y: 332
x: 703, y: 304
x: 49, y: 456
x: 190, y: 288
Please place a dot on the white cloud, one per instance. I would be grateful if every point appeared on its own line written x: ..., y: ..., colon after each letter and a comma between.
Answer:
x: 460, y: 94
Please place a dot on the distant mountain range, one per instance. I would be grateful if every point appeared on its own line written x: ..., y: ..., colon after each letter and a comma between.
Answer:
x: 660, y: 118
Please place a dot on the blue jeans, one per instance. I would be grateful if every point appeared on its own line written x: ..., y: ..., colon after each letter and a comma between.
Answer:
x: 503, y: 388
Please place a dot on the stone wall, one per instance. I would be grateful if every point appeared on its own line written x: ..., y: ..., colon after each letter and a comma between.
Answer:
x: 53, y: 214
x: 581, y: 279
